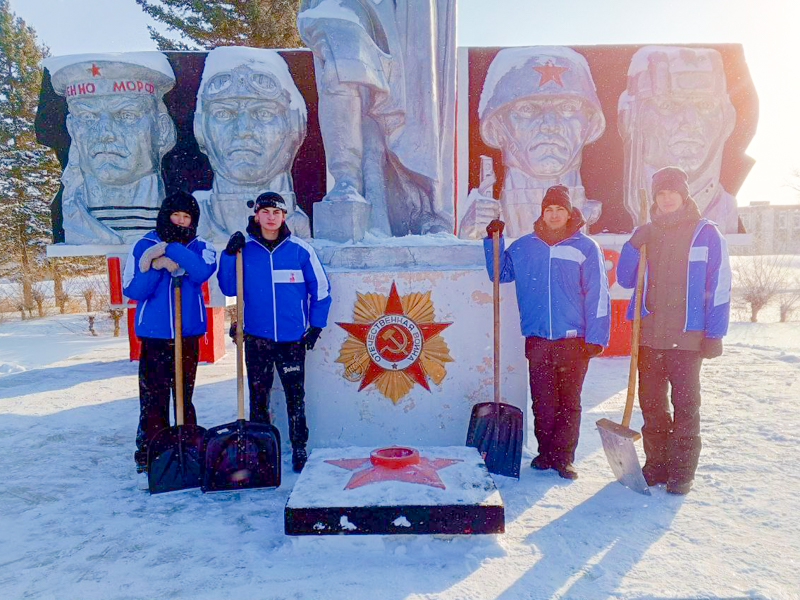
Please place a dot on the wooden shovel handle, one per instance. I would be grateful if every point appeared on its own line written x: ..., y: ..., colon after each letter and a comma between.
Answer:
x: 239, y: 336
x: 178, y: 354
x: 496, y: 307
x: 637, y: 317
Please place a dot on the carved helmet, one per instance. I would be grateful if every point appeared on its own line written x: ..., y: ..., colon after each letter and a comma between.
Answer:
x: 536, y: 71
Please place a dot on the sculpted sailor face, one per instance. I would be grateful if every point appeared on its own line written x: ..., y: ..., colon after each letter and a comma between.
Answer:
x: 546, y: 135
x: 118, y: 137
x: 245, y: 126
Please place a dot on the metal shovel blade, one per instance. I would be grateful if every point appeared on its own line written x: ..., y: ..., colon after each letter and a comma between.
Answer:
x: 621, y: 454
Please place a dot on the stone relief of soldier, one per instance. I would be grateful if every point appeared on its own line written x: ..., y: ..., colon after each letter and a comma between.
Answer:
x: 250, y: 120
x: 676, y: 112
x: 539, y: 106
x: 120, y: 130
x: 386, y: 80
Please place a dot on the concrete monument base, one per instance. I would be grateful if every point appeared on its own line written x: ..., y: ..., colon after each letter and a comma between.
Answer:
x: 340, y: 491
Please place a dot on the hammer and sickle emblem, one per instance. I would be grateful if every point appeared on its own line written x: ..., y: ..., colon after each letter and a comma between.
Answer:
x: 399, y: 345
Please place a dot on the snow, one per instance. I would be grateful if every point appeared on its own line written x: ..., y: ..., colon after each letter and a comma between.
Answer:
x: 76, y: 523
x: 151, y: 60
x: 321, y: 484
x: 226, y: 58
x: 330, y: 9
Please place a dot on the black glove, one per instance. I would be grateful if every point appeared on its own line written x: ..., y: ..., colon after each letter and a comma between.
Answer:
x: 235, y: 244
x: 711, y: 348
x: 642, y: 235
x: 496, y: 225
x: 232, y: 330
x: 310, y: 337
x: 593, y: 350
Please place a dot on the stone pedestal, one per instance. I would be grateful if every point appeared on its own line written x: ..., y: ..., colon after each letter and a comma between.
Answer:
x: 341, y: 220
x: 460, y: 294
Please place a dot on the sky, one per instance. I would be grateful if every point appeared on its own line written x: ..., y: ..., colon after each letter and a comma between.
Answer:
x: 767, y: 29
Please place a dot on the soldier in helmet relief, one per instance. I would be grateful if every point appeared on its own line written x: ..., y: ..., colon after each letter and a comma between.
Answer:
x: 540, y: 108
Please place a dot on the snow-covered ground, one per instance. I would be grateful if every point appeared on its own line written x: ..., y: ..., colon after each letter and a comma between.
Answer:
x: 76, y: 525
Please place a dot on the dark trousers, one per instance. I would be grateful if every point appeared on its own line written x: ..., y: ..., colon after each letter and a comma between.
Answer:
x: 157, y: 382
x: 262, y: 356
x: 671, y: 441
x: 557, y: 370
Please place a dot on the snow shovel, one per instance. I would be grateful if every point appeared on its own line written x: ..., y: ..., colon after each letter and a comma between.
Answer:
x: 175, y: 455
x: 241, y: 454
x: 495, y: 428
x: 618, y: 439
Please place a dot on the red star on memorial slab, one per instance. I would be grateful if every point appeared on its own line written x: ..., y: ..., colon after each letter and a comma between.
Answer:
x: 394, y: 342
x: 95, y: 70
x: 422, y: 473
x: 550, y: 72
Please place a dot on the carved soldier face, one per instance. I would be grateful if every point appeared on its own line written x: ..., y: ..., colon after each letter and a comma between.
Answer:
x: 545, y: 135
x: 683, y: 129
x: 244, y: 139
x: 119, y: 137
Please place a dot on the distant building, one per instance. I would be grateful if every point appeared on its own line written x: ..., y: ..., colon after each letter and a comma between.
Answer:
x: 775, y: 227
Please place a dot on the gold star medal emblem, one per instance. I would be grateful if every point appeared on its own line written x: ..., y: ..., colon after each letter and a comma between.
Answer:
x: 394, y: 343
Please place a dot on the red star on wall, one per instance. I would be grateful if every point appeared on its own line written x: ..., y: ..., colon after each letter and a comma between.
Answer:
x: 550, y: 72
x: 393, y: 307
x: 422, y: 473
x: 95, y: 70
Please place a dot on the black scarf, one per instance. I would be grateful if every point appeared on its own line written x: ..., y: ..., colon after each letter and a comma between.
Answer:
x: 254, y: 229
x: 166, y: 229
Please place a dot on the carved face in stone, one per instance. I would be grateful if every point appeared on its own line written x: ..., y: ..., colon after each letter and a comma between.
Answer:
x: 539, y: 106
x: 244, y: 138
x: 119, y: 137
x: 545, y: 135
x: 676, y: 108
x: 250, y: 118
x: 681, y: 129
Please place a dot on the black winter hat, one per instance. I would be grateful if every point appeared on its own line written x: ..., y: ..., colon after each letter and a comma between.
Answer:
x: 671, y: 178
x: 558, y: 195
x: 177, y: 202
x: 269, y: 200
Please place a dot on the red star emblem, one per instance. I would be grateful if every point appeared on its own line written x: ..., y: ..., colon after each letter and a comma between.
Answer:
x: 95, y: 70
x: 422, y: 473
x: 394, y: 342
x: 550, y: 72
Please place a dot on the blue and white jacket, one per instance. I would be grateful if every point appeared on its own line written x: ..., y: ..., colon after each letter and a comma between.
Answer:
x: 285, y: 290
x: 155, y: 308
x: 562, y: 290
x: 708, y: 281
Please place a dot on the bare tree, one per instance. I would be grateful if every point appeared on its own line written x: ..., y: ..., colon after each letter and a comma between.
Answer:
x: 38, y: 296
x: 789, y: 301
x: 759, y: 280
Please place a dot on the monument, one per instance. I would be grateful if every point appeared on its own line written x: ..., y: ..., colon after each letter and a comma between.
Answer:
x: 120, y: 130
x: 250, y: 120
x: 539, y: 106
x: 676, y: 111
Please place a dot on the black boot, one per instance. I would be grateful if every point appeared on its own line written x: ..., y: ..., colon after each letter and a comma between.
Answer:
x: 140, y: 456
x: 299, y: 458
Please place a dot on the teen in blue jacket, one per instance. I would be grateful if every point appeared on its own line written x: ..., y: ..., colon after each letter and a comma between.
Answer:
x: 172, y: 249
x: 286, y: 303
x: 563, y: 300
x: 684, y: 316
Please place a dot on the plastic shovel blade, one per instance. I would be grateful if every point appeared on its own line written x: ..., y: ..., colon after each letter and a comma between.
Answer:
x: 495, y: 429
x: 242, y: 455
x: 621, y: 454
x: 175, y: 459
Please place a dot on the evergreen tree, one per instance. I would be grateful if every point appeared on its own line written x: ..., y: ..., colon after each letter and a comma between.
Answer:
x: 206, y: 24
x: 29, y: 173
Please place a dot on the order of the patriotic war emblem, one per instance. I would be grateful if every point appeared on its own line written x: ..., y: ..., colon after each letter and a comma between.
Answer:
x: 394, y: 343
